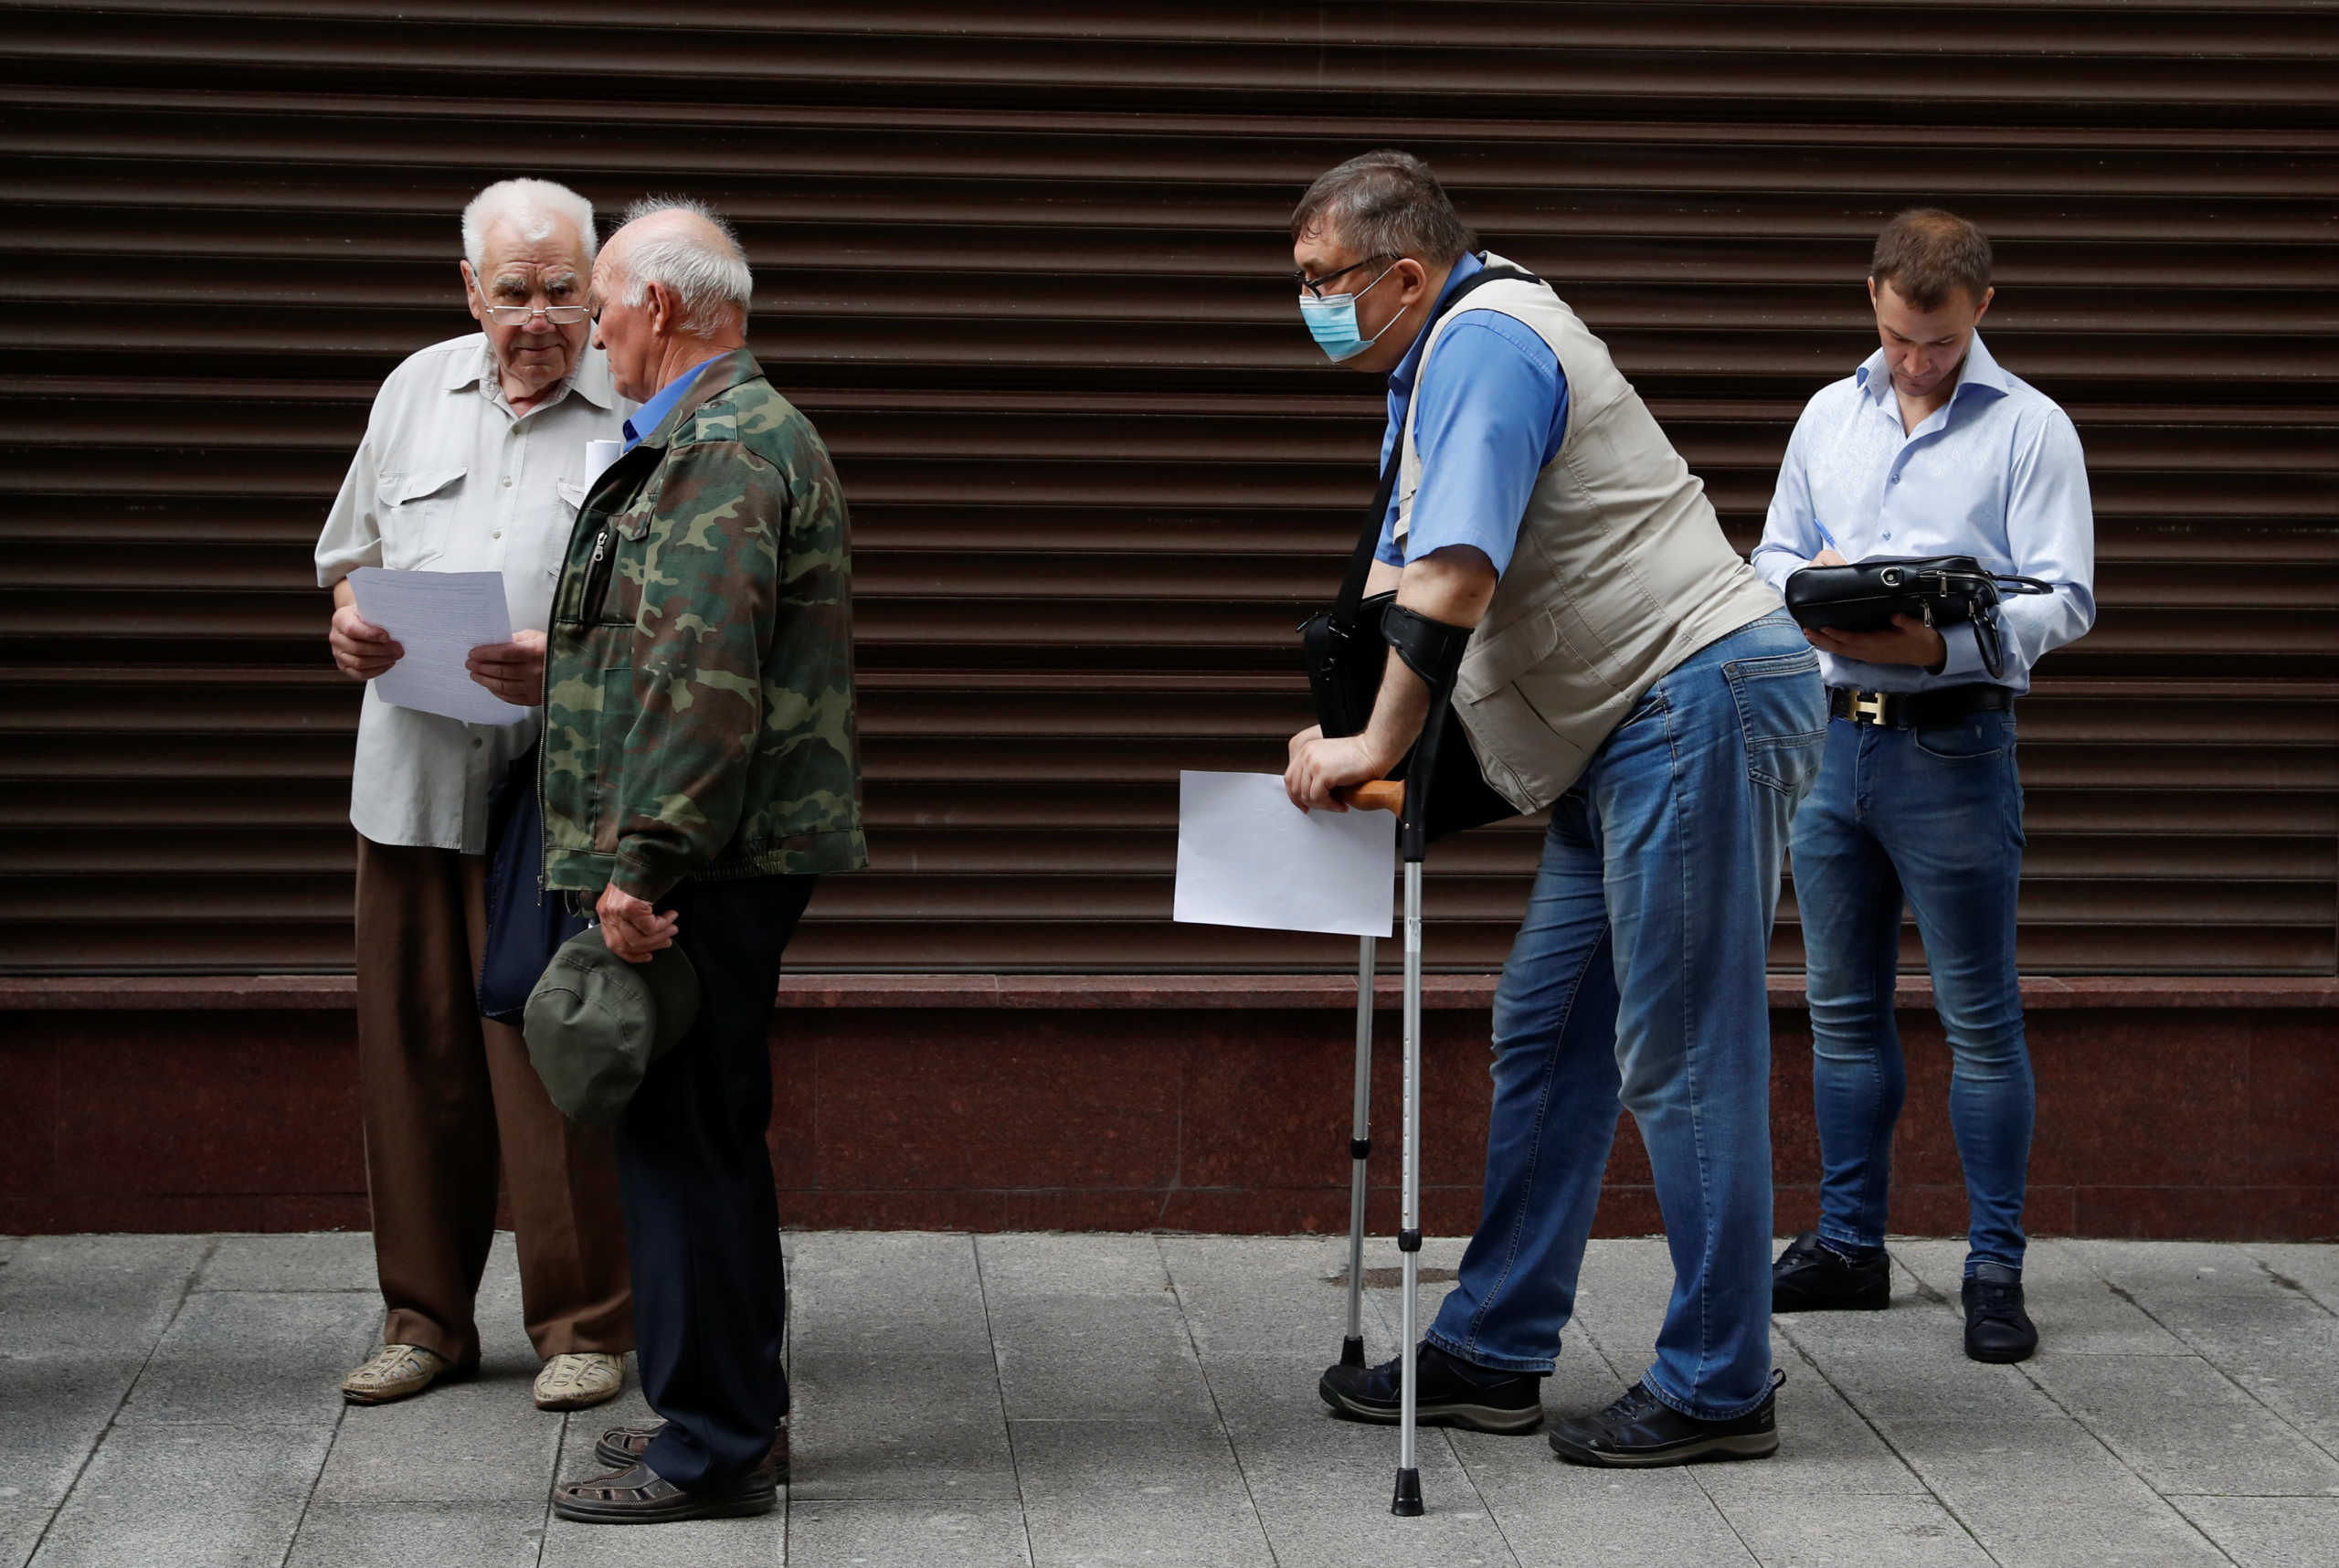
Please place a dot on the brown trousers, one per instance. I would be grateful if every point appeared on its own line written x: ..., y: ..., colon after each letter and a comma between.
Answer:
x: 444, y: 1091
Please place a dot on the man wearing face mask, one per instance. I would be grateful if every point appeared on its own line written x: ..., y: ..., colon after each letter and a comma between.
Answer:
x: 1614, y: 660
x: 1928, y: 449
x: 473, y: 460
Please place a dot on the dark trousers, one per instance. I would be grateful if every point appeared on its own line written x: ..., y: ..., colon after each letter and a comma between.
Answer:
x: 701, y: 1217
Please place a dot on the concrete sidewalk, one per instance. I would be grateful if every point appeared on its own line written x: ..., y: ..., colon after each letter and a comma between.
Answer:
x: 1078, y: 1399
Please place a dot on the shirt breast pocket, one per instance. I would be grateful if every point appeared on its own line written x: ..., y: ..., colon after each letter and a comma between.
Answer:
x: 417, y: 514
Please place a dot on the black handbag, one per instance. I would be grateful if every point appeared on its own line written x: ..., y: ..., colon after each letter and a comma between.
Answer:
x: 1940, y: 590
x: 1345, y: 658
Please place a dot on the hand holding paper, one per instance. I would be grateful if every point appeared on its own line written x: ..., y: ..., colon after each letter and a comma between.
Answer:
x: 1247, y: 856
x: 438, y: 618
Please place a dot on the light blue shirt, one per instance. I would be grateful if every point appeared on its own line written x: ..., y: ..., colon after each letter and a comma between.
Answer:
x: 647, y: 418
x: 1996, y: 474
x: 1493, y: 410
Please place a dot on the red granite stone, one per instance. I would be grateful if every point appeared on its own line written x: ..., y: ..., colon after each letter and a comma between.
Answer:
x: 2209, y: 1214
x: 263, y: 1104
x: 2292, y: 1131
x: 2141, y: 1098
x: 28, y: 1110
x: 985, y: 1100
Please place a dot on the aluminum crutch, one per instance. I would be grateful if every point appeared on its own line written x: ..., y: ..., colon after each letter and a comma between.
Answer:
x: 1360, y: 1150
x: 1408, y: 802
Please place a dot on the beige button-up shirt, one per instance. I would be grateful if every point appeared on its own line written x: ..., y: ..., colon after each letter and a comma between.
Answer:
x: 449, y: 479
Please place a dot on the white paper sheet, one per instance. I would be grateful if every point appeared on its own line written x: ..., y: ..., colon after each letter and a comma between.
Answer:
x: 438, y: 618
x: 598, y: 455
x: 1247, y: 856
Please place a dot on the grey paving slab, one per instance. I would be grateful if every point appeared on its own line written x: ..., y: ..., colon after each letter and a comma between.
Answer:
x: 504, y: 1351
x: 1266, y: 1299
x: 20, y: 1530
x: 1827, y: 1448
x: 905, y: 1532
x: 1854, y: 1531
x: 239, y: 1355
x: 187, y: 1497
x: 1554, y: 1513
x: 899, y: 1426
x: 2077, y: 1311
x: 1322, y: 1485
x: 2312, y: 1269
x: 399, y: 1535
x: 2185, y: 1426
x: 318, y: 1260
x: 458, y: 1442
x: 91, y: 1294
x: 757, y: 1542
x: 1088, y: 1328
x: 2272, y: 1338
x: 54, y: 1406
x: 2270, y: 1532
x: 2045, y: 1494
x: 858, y: 1295
x: 1115, y: 1494
x: 1908, y: 1363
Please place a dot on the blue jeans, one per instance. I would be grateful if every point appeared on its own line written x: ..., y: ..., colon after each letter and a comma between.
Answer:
x: 1934, y: 815
x: 1638, y: 978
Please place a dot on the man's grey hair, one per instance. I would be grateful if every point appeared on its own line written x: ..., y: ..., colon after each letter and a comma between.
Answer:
x: 1385, y: 204
x: 535, y: 207
x: 709, y: 276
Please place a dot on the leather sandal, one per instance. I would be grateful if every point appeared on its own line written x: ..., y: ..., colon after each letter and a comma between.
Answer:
x: 623, y: 1445
x: 639, y: 1495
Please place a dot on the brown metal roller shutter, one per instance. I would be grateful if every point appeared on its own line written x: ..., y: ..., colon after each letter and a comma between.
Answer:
x: 1022, y: 263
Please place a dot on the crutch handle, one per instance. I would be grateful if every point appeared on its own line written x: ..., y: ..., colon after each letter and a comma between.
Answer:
x: 1381, y: 795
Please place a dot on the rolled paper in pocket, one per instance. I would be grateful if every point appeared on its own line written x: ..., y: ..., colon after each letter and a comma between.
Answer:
x: 598, y: 455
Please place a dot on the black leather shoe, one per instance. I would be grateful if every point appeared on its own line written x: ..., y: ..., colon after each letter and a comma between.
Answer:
x: 1813, y: 1278
x: 1641, y: 1431
x: 1997, y: 1327
x: 1452, y: 1392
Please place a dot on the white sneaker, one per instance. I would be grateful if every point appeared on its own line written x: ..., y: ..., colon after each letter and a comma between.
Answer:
x: 576, y: 1381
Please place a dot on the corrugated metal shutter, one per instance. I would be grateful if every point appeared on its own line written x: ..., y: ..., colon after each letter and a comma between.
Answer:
x: 1022, y: 264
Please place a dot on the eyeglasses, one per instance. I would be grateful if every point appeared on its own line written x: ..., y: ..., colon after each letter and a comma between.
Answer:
x: 1314, y: 287
x: 518, y: 316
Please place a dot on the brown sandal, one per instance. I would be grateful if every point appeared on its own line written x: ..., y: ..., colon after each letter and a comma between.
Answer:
x: 623, y: 1445
x: 639, y: 1495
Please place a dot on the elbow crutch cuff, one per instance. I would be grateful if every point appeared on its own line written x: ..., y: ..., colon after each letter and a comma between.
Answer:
x: 1430, y: 649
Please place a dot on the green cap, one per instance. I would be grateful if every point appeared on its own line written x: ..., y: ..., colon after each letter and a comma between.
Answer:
x: 595, y: 1022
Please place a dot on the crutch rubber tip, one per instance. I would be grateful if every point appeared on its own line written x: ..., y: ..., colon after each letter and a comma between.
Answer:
x: 1407, y: 1504
x: 1352, y: 1352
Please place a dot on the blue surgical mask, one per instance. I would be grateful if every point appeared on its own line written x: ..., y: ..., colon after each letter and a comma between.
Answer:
x: 1331, y: 320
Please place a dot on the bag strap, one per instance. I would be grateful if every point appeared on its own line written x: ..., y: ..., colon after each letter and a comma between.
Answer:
x: 1351, y: 594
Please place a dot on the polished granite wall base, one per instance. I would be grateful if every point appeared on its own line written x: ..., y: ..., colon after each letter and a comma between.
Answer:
x: 2167, y: 1109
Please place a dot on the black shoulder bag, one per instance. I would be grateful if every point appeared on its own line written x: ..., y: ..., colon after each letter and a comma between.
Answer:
x: 1345, y: 656
x: 1940, y: 590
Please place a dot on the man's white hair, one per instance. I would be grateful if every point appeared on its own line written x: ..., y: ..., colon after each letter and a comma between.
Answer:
x: 535, y: 207
x: 709, y: 275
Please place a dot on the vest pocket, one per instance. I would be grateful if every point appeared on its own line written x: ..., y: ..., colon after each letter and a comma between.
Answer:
x: 1783, y: 712
x: 606, y: 790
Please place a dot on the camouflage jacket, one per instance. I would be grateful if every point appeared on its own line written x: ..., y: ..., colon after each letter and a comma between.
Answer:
x: 698, y: 672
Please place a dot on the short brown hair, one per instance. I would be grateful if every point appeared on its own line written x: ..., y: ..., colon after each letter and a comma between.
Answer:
x: 1385, y: 204
x: 1925, y: 253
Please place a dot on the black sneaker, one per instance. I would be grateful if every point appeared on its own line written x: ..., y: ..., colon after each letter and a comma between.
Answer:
x: 1451, y: 1393
x: 1640, y: 1431
x: 1997, y: 1327
x: 1811, y: 1277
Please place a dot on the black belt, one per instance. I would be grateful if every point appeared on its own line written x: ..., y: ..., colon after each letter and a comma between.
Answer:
x: 1908, y: 710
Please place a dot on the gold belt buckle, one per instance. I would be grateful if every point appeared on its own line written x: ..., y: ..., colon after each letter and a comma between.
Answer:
x: 1868, y: 707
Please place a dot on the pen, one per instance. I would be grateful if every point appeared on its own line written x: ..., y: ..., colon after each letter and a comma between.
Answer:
x: 1827, y: 537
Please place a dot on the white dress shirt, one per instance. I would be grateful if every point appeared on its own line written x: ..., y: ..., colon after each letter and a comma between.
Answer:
x: 1996, y: 474
x: 449, y: 479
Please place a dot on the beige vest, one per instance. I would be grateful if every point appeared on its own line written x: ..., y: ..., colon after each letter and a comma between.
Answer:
x: 1620, y: 572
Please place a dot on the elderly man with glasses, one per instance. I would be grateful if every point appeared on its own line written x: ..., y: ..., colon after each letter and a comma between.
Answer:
x: 474, y: 459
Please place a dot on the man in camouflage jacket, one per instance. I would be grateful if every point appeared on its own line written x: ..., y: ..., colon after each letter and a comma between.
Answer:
x: 699, y: 773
